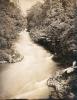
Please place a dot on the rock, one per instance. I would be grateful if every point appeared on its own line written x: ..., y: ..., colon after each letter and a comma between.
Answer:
x: 10, y: 56
x: 63, y: 85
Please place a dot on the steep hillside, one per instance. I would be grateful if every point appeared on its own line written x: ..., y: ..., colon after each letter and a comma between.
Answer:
x: 11, y: 23
x: 52, y: 25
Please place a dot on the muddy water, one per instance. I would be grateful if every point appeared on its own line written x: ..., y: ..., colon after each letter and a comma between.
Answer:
x: 27, y: 79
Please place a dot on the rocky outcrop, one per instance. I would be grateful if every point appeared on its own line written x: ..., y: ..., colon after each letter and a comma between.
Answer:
x: 11, y: 24
x: 63, y: 85
x: 52, y: 25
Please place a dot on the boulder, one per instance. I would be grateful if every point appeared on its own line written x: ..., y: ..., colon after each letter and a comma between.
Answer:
x: 63, y: 85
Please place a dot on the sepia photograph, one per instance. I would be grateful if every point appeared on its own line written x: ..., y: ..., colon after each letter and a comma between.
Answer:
x: 38, y: 49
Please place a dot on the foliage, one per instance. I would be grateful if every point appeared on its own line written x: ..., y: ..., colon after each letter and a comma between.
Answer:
x: 11, y: 23
x: 51, y: 25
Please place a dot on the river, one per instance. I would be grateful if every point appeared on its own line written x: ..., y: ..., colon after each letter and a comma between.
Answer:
x: 28, y: 78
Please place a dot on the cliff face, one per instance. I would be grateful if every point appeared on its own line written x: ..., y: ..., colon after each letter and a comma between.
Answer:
x: 11, y: 23
x: 52, y: 25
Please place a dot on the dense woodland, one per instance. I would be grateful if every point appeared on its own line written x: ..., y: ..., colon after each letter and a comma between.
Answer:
x: 53, y: 25
x: 11, y: 23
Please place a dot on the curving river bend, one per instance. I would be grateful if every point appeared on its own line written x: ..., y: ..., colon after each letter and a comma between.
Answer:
x: 27, y: 79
